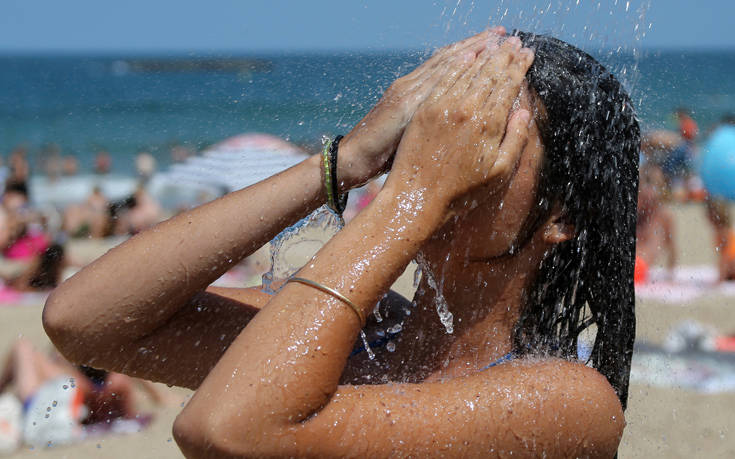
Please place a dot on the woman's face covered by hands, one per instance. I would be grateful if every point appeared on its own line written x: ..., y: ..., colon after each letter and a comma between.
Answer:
x: 495, y: 221
x: 474, y: 147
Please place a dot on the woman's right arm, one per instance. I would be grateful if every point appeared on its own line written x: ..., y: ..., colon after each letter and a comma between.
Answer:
x: 105, y: 314
x: 144, y: 307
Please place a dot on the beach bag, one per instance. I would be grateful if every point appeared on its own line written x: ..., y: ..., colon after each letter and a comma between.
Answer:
x: 11, y: 423
x: 55, y: 414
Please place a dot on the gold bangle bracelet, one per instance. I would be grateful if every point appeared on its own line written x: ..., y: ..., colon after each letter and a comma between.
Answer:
x: 327, y: 174
x: 332, y: 292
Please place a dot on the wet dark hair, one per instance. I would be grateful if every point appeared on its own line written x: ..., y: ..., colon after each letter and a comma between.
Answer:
x: 590, y: 170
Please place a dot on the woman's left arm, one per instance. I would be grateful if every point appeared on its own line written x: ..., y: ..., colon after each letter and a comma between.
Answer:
x: 275, y: 391
x: 550, y: 408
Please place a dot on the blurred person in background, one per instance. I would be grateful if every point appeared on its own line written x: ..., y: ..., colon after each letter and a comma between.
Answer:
x: 135, y: 213
x: 655, y: 224
x: 43, y: 273
x: 69, y: 166
x: 90, y: 218
x: 145, y: 166
x: 679, y: 163
x: 718, y: 215
x: 60, y: 400
x: 26, y: 237
x: 20, y: 170
x: 102, y: 163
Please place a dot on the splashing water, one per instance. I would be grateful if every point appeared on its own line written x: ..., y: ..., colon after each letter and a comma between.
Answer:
x: 296, y: 245
x: 417, y: 277
x: 442, y: 308
x: 370, y: 353
x: 608, y: 30
x: 376, y: 312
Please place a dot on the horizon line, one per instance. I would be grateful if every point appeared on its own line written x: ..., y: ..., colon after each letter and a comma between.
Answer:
x: 220, y: 52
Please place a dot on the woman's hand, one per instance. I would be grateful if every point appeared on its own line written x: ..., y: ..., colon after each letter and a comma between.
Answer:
x: 462, y: 137
x: 367, y: 150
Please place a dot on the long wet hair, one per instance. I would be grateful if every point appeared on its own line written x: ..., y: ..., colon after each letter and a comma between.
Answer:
x: 590, y: 171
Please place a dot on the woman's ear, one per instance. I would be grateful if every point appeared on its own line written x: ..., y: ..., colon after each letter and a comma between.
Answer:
x: 556, y: 230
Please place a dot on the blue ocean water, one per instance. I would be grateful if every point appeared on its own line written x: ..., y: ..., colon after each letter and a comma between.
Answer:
x: 86, y: 103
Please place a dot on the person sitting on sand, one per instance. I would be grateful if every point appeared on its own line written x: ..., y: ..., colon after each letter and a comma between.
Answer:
x: 718, y: 215
x: 25, y: 236
x: 517, y: 195
x: 135, y: 214
x: 59, y: 398
x: 88, y: 219
x: 43, y: 273
x: 655, y: 223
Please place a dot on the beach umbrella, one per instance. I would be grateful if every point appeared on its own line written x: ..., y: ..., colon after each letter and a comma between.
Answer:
x: 63, y: 191
x: 230, y: 165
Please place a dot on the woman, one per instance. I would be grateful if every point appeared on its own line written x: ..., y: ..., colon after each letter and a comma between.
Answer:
x: 514, y: 215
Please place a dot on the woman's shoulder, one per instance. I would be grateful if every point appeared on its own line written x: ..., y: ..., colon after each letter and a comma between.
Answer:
x: 568, y: 384
x: 567, y: 408
x: 558, y: 367
x: 575, y: 397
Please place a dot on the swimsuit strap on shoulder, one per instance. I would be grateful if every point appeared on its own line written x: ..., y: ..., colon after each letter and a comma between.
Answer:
x: 506, y: 358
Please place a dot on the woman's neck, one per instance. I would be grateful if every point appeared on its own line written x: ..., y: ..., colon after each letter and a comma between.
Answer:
x: 485, y: 300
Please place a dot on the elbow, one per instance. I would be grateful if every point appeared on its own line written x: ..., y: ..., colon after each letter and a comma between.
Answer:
x: 60, y: 327
x: 55, y: 323
x: 201, y: 437
x: 220, y: 433
x: 190, y: 436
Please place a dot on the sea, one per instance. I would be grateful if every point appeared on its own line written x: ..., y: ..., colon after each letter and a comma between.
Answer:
x: 124, y: 104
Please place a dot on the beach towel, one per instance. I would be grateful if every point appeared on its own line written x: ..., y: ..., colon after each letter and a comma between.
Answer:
x: 11, y: 423
x: 688, y: 283
x: 54, y: 414
x: 694, y: 369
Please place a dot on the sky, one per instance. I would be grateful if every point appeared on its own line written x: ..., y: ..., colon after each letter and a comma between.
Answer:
x: 251, y: 26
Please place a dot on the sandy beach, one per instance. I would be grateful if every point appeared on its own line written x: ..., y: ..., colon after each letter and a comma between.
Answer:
x: 662, y: 422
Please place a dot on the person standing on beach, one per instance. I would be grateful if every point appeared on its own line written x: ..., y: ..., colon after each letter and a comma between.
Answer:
x: 655, y: 223
x: 718, y: 214
x: 679, y: 163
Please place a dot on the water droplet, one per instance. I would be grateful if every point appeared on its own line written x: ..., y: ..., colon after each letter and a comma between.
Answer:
x: 370, y: 353
x: 376, y: 312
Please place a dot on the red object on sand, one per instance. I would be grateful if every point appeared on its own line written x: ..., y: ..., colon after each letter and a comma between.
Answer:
x: 725, y: 343
x: 640, y: 274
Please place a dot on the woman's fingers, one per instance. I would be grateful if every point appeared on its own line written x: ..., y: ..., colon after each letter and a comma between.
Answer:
x: 510, y: 71
x: 463, y: 84
x: 442, y: 57
x: 516, y: 137
x: 490, y: 78
x: 476, y: 42
x: 458, y: 68
x: 472, y: 52
x: 458, y: 71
